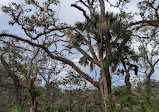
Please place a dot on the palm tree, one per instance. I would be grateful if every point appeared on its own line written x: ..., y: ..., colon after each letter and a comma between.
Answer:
x: 115, y: 31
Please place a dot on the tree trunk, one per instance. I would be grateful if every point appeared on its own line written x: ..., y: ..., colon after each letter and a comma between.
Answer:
x: 127, y: 82
x: 17, y: 85
x: 50, y: 95
x: 102, y: 10
x: 108, y: 60
x: 103, y: 80
x: 108, y: 77
x: 32, y: 92
x: 148, y: 85
x: 33, y: 104
x: 148, y: 82
x: 106, y: 33
x: 18, y: 89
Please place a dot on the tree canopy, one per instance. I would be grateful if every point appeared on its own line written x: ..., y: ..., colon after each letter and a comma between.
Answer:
x: 107, y: 43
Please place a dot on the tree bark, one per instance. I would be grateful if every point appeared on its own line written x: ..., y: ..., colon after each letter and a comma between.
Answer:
x: 127, y: 82
x: 33, y: 96
x: 105, y: 33
x: 108, y: 77
x: 49, y: 93
x: 148, y: 81
x: 127, y: 77
x: 103, y: 80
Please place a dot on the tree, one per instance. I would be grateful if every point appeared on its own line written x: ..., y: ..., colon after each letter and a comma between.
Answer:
x: 127, y: 71
x: 149, y: 55
x: 10, y: 59
x: 103, y: 36
x: 31, y: 78
x: 148, y: 13
x: 49, y: 71
x: 26, y: 23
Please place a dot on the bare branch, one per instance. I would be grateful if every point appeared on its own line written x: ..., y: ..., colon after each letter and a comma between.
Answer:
x: 156, y: 62
x: 30, y: 65
x: 79, y: 8
x: 64, y: 60
x: 147, y: 22
x: 91, y: 49
x: 84, y: 3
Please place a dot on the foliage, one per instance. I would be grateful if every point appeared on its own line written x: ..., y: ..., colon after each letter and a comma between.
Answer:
x: 105, y: 42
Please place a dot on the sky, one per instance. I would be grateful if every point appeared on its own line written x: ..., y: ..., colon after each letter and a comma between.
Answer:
x: 65, y: 13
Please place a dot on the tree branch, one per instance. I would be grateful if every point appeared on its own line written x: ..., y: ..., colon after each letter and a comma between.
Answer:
x: 148, y: 22
x: 91, y: 49
x: 85, y: 54
x: 64, y: 60
x: 79, y: 8
x: 30, y: 65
